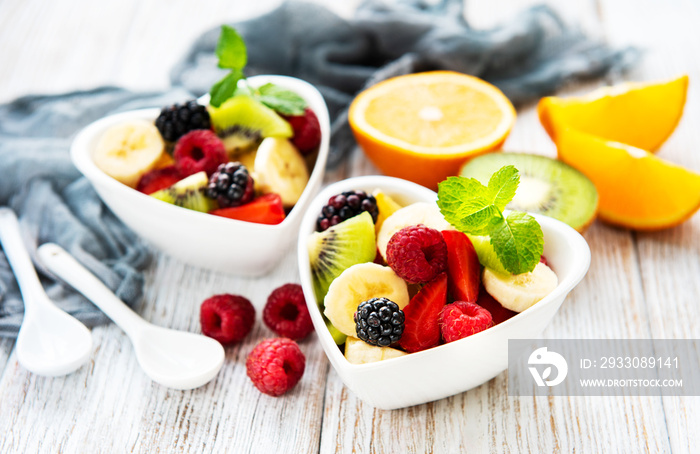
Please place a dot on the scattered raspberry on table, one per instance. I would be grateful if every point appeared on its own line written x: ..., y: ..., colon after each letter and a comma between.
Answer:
x: 275, y: 366
x: 227, y: 318
x: 286, y: 313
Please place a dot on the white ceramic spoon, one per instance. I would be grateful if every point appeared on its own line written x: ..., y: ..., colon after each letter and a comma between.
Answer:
x: 50, y: 342
x: 176, y: 359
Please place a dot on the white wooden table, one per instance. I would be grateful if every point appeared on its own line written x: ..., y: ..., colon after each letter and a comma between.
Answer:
x: 639, y: 285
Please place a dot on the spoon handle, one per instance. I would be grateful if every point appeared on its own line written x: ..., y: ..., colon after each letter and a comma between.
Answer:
x: 21, y: 263
x: 63, y: 265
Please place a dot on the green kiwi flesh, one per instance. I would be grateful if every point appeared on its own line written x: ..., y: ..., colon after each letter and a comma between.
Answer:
x: 336, y: 249
x: 486, y: 253
x: 242, y: 122
x: 339, y: 247
x: 188, y: 193
x: 547, y: 186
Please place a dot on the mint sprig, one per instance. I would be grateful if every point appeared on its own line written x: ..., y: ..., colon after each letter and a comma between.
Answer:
x: 232, y: 54
x: 476, y: 209
x: 280, y: 99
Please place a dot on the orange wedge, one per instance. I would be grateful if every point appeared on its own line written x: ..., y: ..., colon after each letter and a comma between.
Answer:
x: 640, y: 114
x: 637, y: 189
x: 422, y: 127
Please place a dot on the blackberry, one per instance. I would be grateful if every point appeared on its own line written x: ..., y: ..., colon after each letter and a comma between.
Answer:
x: 379, y: 321
x: 231, y: 185
x: 344, y: 206
x: 177, y: 120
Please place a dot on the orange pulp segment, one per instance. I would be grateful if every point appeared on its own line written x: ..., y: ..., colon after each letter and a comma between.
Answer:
x: 640, y: 114
x: 422, y: 127
x: 637, y: 189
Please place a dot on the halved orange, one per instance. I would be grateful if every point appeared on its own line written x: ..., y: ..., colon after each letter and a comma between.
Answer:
x: 422, y: 127
x: 641, y: 114
x: 637, y: 189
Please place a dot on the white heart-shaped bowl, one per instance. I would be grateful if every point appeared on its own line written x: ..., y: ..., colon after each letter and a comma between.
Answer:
x: 457, y: 366
x: 212, y: 242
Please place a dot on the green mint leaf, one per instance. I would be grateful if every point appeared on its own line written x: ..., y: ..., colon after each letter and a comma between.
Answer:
x: 502, y: 186
x: 281, y: 100
x: 225, y: 88
x: 518, y: 241
x: 464, y: 204
x: 230, y: 49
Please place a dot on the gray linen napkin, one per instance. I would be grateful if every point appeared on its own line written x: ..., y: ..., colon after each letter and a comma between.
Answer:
x: 531, y: 55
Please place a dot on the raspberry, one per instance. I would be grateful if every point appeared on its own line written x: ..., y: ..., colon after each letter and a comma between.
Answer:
x: 231, y: 185
x: 417, y: 253
x: 199, y: 150
x: 307, y: 131
x: 286, y: 313
x: 227, y: 318
x: 461, y: 319
x: 177, y: 120
x: 158, y: 179
x: 275, y: 366
x: 343, y: 206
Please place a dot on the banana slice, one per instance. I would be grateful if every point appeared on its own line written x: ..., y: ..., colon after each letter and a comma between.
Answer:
x: 360, y: 352
x: 520, y: 291
x: 424, y: 213
x: 360, y: 283
x: 281, y: 169
x: 128, y: 150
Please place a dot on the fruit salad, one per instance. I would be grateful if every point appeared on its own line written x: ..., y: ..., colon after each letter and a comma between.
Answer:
x: 247, y: 154
x: 393, y: 280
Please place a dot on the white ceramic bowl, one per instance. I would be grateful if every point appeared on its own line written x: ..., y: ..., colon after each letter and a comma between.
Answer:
x: 213, y: 242
x: 458, y: 366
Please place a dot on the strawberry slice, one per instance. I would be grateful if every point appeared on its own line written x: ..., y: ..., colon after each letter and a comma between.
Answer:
x: 463, y: 267
x: 498, y: 312
x: 421, y: 329
x: 266, y: 209
x: 158, y: 179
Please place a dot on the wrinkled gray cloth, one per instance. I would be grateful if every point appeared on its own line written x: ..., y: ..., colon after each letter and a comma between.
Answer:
x: 53, y: 203
x: 529, y: 56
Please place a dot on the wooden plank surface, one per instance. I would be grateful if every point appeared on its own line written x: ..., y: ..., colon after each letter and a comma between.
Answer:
x: 639, y: 285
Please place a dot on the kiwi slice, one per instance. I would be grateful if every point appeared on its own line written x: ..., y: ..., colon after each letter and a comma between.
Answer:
x: 486, y: 253
x: 188, y: 193
x: 242, y: 122
x: 547, y: 186
x: 339, y: 247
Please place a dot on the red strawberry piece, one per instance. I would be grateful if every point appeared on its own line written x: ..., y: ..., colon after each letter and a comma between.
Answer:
x: 275, y: 366
x: 421, y: 329
x: 463, y: 267
x: 461, y: 319
x: 543, y: 259
x: 227, y: 318
x: 286, y: 313
x: 417, y: 253
x: 266, y: 209
x: 499, y: 313
x: 307, y: 131
x: 158, y: 179
x: 199, y: 150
